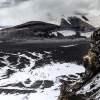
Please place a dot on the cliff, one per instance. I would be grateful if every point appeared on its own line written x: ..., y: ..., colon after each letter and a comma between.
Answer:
x: 88, y: 86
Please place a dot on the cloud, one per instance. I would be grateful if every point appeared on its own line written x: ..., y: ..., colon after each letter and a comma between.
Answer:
x: 13, y: 12
x: 9, y: 3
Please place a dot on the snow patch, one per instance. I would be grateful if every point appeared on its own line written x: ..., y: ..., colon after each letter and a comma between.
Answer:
x: 69, y: 46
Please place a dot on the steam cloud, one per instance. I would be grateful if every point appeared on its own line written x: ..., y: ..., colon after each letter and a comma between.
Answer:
x: 13, y: 12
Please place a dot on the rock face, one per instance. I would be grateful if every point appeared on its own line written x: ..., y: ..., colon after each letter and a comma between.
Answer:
x: 84, y: 17
x: 79, y: 24
x: 65, y: 24
x: 76, y: 24
x: 88, y: 86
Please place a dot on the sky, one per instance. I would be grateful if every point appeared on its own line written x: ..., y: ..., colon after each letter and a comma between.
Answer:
x: 14, y: 12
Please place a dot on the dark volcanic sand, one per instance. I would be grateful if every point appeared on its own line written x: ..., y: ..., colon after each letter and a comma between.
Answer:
x: 58, y: 53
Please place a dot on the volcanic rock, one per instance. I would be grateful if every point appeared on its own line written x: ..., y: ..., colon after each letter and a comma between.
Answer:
x: 79, y: 24
x: 90, y: 79
x: 64, y: 23
x: 29, y: 29
x: 84, y: 17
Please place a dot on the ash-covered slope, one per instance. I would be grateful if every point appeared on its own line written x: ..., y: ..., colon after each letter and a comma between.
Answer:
x: 88, y: 87
x: 33, y: 28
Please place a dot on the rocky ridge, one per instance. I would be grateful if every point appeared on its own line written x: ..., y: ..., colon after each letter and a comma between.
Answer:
x: 40, y: 29
x: 79, y: 24
x: 87, y: 87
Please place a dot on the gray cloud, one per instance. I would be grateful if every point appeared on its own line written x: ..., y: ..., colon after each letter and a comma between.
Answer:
x: 14, y: 12
x: 9, y: 3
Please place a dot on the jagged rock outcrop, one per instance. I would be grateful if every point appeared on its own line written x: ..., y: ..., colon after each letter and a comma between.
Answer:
x: 91, y: 62
x: 76, y: 24
x: 79, y: 24
x: 65, y: 24
x: 85, y: 18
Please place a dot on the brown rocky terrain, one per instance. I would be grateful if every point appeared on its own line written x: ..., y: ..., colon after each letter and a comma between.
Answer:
x: 87, y: 87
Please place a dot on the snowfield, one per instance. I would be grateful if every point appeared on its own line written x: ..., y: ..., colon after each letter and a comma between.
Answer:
x: 44, y: 81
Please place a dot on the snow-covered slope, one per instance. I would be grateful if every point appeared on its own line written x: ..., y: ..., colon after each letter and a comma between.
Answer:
x: 93, y: 19
x: 22, y: 79
x: 92, y: 88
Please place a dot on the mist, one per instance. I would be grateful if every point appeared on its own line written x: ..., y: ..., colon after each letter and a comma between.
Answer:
x: 14, y: 12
